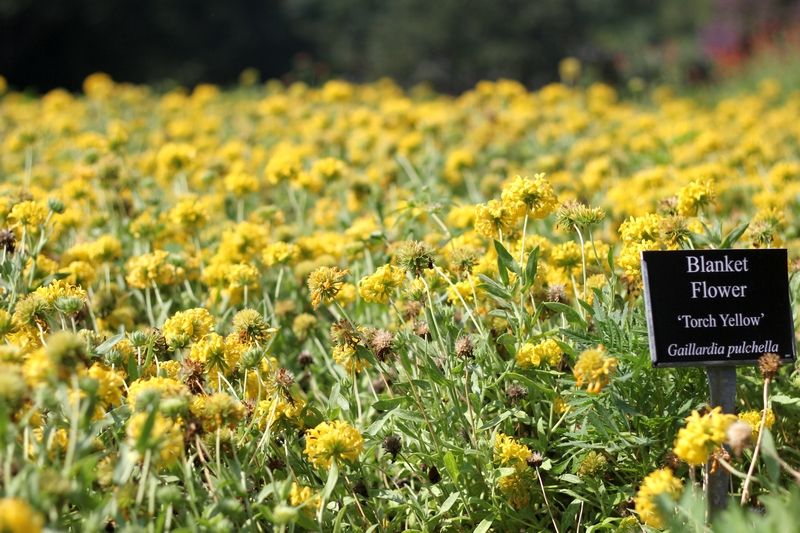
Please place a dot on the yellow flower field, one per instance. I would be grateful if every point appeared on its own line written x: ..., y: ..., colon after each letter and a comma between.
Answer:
x: 363, y: 308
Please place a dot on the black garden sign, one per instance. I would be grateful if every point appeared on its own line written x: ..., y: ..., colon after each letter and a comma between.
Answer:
x: 717, y: 307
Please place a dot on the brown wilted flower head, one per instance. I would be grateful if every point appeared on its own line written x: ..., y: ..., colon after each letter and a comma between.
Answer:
x: 392, y: 444
x: 411, y: 310
x: 284, y: 378
x: 768, y: 364
x: 535, y: 460
x: 516, y: 392
x: 8, y: 241
x: 305, y: 359
x: 464, y: 348
x: 556, y: 293
x: 193, y: 374
x: 421, y: 329
x: 381, y: 342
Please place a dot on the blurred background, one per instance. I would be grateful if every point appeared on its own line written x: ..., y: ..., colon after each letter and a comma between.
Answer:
x: 449, y: 43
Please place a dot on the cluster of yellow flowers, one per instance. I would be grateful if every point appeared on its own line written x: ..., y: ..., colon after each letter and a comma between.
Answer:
x: 702, y: 435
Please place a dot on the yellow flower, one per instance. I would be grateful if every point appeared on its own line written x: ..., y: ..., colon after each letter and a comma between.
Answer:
x: 493, y: 218
x: 217, y: 411
x: 347, y: 356
x: 509, y: 452
x: 185, y: 327
x: 280, y: 253
x: 532, y: 355
x: 147, y: 270
x: 754, y: 419
x: 594, y: 369
x: 702, y: 435
x: 161, y: 388
x: 694, y: 197
x: 516, y: 488
x: 273, y: 410
x: 324, y: 283
x: 165, y: 439
x: 661, y: 481
x: 378, y: 287
x: 110, y: 385
x: 301, y: 495
x: 240, y: 183
x: 29, y: 214
x: 217, y: 354
x: 250, y: 327
x: 534, y: 197
x: 333, y: 441
x: 16, y: 516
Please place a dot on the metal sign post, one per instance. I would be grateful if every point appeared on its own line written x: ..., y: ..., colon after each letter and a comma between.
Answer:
x: 722, y: 389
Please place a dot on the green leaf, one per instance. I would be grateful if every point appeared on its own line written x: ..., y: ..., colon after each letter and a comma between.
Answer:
x: 532, y: 267
x: 731, y: 238
x: 387, y: 404
x: 483, y: 527
x: 785, y: 400
x: 570, y: 313
x: 333, y: 478
x: 109, y: 343
x: 451, y: 466
x: 448, y: 503
x: 504, y: 258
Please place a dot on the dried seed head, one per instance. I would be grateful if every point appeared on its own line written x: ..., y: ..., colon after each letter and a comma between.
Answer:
x: 412, y: 310
x: 392, y: 445
x: 381, y: 342
x: 535, y: 460
x: 193, y: 375
x: 464, y: 348
x: 516, y: 392
x: 284, y: 378
x: 415, y: 257
x: 671, y: 460
x: 8, y: 241
x: 768, y: 364
x: 305, y: 359
x: 556, y: 293
x: 739, y: 435
x: 421, y: 329
x: 433, y: 475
